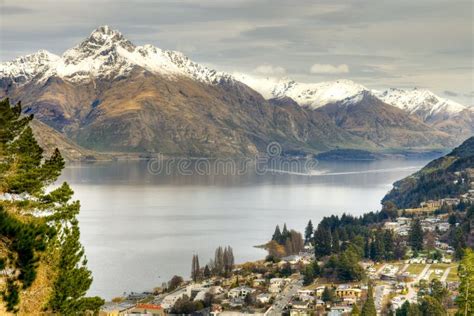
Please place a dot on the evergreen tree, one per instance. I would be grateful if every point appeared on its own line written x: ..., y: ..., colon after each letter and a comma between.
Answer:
x: 388, y: 245
x: 335, y: 242
x: 308, y: 275
x: 74, y: 278
x: 465, y: 299
x: 403, y: 310
x: 431, y: 307
x: 416, y: 236
x: 355, y: 310
x: 367, y: 247
x: 51, y: 239
x: 327, y: 295
x: 277, y: 234
x: 308, y: 233
x: 399, y: 248
x: 322, y: 242
x: 207, y: 271
x: 438, y: 291
x: 368, y: 308
x: 195, y: 268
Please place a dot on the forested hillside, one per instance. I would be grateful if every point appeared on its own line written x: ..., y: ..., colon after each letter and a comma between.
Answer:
x: 448, y: 176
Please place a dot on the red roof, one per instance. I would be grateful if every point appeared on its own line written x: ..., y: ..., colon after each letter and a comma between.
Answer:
x: 149, y: 306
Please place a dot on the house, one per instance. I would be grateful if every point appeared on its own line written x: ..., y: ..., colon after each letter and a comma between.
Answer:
x: 274, y: 288
x: 299, y: 305
x: 319, y: 304
x: 201, y: 295
x: 339, y: 310
x: 318, y: 292
x: 116, y: 309
x: 277, y: 281
x: 300, y: 312
x: 293, y: 259
x: 148, y: 309
x: 264, y: 298
x: 240, y: 292
x: 431, y: 204
x: 258, y: 282
x: 344, y: 291
x: 170, y: 299
x: 216, y: 290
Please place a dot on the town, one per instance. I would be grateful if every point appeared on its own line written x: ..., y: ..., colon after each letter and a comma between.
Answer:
x: 379, y: 264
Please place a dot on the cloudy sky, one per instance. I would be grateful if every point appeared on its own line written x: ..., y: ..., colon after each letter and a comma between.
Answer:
x: 403, y: 43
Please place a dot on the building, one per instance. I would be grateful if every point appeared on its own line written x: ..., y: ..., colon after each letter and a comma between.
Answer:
x: 339, y: 310
x: 345, y: 291
x: 264, y: 298
x: 116, y: 309
x: 148, y: 309
x: 240, y: 292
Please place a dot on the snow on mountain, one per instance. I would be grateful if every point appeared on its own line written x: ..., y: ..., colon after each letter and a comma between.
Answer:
x: 106, y: 53
x: 25, y: 68
x: 421, y: 102
x: 312, y: 95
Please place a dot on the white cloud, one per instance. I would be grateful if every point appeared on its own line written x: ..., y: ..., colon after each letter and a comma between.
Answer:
x: 329, y: 69
x: 270, y: 70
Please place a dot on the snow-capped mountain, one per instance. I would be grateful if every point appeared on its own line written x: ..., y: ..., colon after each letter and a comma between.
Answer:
x: 422, y: 103
x: 311, y: 95
x: 107, y: 94
x: 106, y: 53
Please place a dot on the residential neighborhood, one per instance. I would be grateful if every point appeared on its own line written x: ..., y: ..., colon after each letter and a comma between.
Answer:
x: 278, y: 287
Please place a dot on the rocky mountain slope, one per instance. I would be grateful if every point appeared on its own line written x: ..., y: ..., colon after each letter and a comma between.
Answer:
x: 442, y: 114
x: 107, y: 94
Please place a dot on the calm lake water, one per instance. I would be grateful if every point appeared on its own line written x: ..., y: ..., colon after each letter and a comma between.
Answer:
x: 139, y: 228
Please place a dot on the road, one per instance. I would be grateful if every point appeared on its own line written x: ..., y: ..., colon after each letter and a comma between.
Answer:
x: 379, y: 295
x: 445, y: 274
x: 412, y: 294
x: 282, y: 299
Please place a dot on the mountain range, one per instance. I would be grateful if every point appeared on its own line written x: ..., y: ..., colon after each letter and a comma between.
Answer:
x: 108, y: 95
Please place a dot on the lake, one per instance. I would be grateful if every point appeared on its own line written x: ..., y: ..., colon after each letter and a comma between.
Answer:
x: 141, y: 225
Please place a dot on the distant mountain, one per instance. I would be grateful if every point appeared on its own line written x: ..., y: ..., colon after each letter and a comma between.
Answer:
x: 442, y: 114
x: 448, y: 176
x: 366, y: 116
x: 106, y: 94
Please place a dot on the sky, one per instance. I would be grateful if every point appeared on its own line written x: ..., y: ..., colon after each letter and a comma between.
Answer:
x: 381, y: 44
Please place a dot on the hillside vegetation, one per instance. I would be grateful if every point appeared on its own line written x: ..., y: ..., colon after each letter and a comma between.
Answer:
x: 447, y: 176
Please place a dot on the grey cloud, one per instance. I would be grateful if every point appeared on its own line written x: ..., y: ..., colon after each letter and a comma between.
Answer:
x: 392, y: 43
x: 450, y: 93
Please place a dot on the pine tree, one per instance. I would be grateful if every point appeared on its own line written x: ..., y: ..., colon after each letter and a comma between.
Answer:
x: 355, y: 310
x: 284, y: 234
x: 277, y: 234
x: 195, y: 268
x: 322, y: 242
x: 308, y: 233
x: 74, y: 278
x: 335, y: 242
x: 465, y: 299
x: 207, y: 271
x: 416, y: 236
x: 368, y: 309
x: 51, y: 239
x: 327, y: 295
